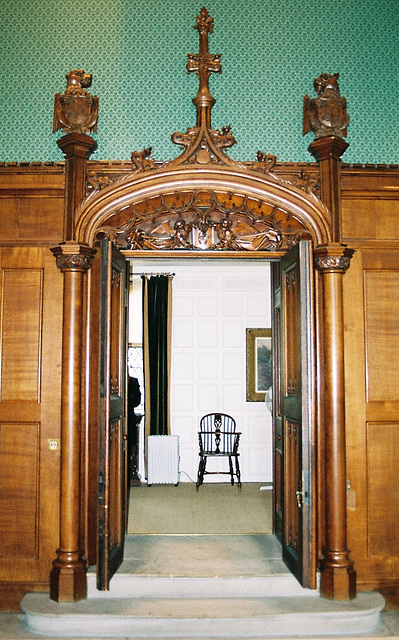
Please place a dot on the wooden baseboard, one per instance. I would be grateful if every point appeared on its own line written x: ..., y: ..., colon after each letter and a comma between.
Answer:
x: 11, y: 594
x: 391, y: 596
x: 389, y: 591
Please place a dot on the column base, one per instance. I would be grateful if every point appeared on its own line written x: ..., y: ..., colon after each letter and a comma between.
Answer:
x: 338, y: 583
x: 68, y: 581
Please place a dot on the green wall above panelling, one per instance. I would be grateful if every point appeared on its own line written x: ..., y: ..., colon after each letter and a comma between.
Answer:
x: 137, y: 51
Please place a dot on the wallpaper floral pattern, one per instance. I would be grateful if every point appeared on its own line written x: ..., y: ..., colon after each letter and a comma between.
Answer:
x: 137, y: 50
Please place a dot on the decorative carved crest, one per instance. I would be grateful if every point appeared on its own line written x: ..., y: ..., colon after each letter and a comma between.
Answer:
x: 76, y: 110
x: 326, y: 115
x: 97, y: 181
x: 305, y: 181
x: 263, y: 163
x: 204, y: 146
x: 143, y: 160
x: 203, y: 220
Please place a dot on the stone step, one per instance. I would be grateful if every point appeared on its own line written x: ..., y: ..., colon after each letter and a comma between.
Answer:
x: 137, y: 586
x: 206, y: 608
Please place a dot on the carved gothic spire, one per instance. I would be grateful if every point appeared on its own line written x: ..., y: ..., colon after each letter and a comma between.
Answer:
x: 202, y: 144
x: 203, y: 64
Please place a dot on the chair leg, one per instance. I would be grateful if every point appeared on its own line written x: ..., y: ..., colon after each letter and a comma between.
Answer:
x: 201, y: 471
x: 231, y: 470
x: 238, y: 474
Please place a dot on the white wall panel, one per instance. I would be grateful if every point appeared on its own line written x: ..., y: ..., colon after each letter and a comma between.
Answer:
x: 257, y: 306
x: 182, y: 334
x: 207, y: 334
x: 208, y: 306
x: 183, y: 366
x: 183, y: 307
x: 208, y: 366
x: 256, y: 430
x: 232, y: 306
x: 232, y: 334
x: 208, y: 399
x: 182, y: 397
x: 234, y: 398
x: 232, y: 366
x: 184, y: 424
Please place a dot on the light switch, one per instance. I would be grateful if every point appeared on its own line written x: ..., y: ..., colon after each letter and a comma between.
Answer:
x: 53, y: 444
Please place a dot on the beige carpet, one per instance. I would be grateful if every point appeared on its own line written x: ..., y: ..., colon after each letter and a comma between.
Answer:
x: 214, y: 509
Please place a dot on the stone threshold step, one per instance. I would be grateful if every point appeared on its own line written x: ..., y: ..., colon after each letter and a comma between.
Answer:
x: 204, y: 617
x: 135, y: 586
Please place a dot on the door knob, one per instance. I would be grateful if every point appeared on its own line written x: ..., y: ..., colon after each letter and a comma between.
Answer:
x: 299, y: 498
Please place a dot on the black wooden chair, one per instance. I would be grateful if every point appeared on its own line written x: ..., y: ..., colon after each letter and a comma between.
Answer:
x: 218, y: 438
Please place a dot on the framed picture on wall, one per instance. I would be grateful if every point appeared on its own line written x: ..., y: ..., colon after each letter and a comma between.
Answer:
x: 259, y: 363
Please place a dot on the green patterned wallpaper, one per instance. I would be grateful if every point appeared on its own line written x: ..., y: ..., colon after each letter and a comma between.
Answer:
x: 137, y: 50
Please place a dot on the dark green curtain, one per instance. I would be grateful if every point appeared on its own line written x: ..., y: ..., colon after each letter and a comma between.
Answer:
x: 156, y: 349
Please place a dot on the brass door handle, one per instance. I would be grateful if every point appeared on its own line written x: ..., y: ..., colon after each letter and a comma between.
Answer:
x: 299, y: 498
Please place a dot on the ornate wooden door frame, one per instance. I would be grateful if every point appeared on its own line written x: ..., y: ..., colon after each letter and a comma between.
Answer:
x: 273, y: 216
x: 121, y: 210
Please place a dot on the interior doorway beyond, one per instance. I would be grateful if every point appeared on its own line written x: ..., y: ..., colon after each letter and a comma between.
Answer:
x: 214, y: 303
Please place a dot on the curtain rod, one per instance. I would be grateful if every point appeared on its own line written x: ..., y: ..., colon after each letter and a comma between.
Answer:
x: 134, y: 273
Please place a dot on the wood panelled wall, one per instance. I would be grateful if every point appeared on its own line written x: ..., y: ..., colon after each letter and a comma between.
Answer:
x: 370, y: 224
x: 31, y: 220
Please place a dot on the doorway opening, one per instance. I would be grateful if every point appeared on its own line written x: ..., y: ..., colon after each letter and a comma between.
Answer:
x: 214, y: 303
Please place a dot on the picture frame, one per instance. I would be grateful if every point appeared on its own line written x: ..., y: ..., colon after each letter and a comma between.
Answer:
x: 259, y: 363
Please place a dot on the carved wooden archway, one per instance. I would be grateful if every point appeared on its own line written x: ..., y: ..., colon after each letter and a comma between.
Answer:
x: 217, y: 210
x: 203, y: 203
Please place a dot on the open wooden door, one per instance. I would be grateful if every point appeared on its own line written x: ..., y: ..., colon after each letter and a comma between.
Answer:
x: 112, y: 427
x: 294, y: 411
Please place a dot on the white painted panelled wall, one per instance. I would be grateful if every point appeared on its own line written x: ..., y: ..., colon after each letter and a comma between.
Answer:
x: 214, y: 302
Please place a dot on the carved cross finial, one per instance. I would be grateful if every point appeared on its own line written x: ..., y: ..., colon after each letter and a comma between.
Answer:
x: 203, y: 64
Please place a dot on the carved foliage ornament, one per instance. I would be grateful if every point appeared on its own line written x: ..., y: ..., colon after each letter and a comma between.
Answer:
x: 326, y: 115
x: 204, y: 145
x: 203, y: 220
x: 76, y: 110
x: 332, y: 263
x: 73, y: 257
x: 333, y: 257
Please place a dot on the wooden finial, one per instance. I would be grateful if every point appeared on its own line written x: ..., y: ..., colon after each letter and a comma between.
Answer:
x: 76, y: 111
x: 203, y: 64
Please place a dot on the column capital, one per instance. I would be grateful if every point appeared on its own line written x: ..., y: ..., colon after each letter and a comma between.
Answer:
x: 329, y: 147
x: 77, y: 144
x: 333, y: 257
x: 72, y: 256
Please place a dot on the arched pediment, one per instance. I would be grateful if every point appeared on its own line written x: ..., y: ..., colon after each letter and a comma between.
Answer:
x: 203, y: 208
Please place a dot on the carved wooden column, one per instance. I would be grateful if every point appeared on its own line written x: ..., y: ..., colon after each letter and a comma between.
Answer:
x: 329, y: 150
x: 338, y: 578
x: 76, y: 147
x: 68, y: 576
x: 75, y: 112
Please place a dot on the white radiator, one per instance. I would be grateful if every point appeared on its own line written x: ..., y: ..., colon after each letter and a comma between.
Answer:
x: 163, y: 460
